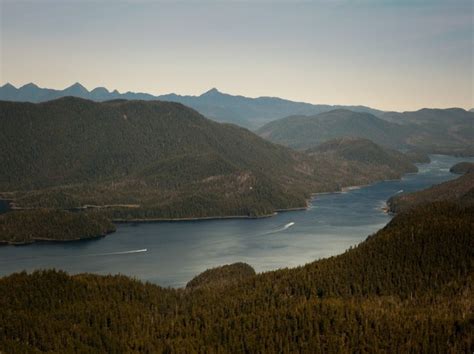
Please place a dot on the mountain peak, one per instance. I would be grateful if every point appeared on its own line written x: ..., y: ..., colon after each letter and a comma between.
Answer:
x: 29, y: 86
x: 76, y: 87
x: 100, y: 89
x: 211, y: 92
x: 8, y: 86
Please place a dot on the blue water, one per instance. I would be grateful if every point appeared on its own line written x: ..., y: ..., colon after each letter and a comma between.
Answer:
x: 177, y: 251
x: 4, y: 206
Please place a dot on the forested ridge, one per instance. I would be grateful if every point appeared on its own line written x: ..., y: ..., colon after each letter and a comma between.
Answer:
x: 365, y: 154
x: 459, y: 190
x: 407, y: 288
x: 434, y: 131
x: 163, y: 158
x: 462, y: 168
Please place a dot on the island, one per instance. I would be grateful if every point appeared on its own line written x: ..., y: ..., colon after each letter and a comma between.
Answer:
x: 27, y: 226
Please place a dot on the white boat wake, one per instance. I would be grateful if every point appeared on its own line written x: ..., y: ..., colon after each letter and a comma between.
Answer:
x: 285, y: 227
x: 118, y: 253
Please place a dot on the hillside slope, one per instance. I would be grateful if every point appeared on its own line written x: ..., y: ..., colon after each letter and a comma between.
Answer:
x: 365, y: 152
x: 462, y: 168
x: 460, y: 190
x: 153, y: 159
x: 408, y: 288
x: 302, y: 132
x: 160, y: 154
x: 444, y: 131
x: 440, y: 131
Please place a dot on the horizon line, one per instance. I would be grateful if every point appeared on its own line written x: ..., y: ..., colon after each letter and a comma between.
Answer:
x: 215, y: 89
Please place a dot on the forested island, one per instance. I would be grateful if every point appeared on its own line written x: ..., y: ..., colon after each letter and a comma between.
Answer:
x: 28, y: 226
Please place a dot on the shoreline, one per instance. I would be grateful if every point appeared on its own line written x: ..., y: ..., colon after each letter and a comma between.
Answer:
x: 188, y: 219
x: 198, y: 218
x: 209, y: 218
x: 307, y: 205
x: 52, y: 240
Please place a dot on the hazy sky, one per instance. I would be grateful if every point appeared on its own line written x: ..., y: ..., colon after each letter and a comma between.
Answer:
x: 392, y: 55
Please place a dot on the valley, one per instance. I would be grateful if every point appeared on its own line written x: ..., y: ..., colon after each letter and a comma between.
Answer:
x: 236, y: 177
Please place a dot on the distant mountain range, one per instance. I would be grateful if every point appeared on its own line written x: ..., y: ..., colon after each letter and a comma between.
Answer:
x: 444, y: 131
x: 244, y: 111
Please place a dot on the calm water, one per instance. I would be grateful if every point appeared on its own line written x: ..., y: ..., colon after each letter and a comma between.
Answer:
x: 4, y: 206
x: 177, y: 251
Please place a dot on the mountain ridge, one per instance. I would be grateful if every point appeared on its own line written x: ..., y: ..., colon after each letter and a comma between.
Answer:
x: 245, y: 111
x: 439, y: 131
x: 163, y: 156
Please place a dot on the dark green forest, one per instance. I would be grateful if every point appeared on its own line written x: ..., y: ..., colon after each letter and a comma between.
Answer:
x: 135, y: 160
x: 459, y: 190
x: 433, y: 131
x: 407, y: 288
x: 366, y: 154
x: 462, y: 168
x: 28, y: 226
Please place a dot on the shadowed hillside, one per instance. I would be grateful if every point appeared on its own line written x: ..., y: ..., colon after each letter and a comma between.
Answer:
x: 72, y: 152
x: 152, y: 160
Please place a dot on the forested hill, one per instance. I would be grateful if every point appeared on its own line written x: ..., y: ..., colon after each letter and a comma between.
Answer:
x: 302, y: 132
x: 408, y: 288
x: 364, y: 152
x: 142, y: 152
x: 443, y: 131
x: 460, y: 190
x: 462, y: 168
x: 73, y: 140
x: 153, y: 159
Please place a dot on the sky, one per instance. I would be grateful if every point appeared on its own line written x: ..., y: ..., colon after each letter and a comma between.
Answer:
x: 388, y: 54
